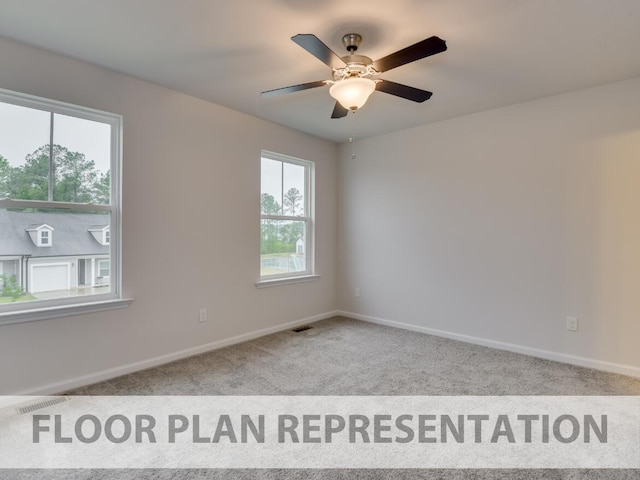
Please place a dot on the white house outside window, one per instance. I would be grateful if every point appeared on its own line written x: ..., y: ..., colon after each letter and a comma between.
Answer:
x: 286, y: 217
x: 59, y: 171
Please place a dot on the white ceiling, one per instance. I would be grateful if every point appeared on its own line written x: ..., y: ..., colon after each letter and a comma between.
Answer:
x: 500, y: 51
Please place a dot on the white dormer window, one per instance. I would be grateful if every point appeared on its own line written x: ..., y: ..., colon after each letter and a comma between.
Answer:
x: 41, y: 235
x: 101, y: 234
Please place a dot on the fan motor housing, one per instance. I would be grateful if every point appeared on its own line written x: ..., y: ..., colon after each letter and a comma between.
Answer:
x: 352, y: 41
x: 357, y: 66
x: 357, y: 60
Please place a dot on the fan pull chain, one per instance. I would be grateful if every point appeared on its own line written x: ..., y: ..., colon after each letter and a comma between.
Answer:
x: 352, y: 138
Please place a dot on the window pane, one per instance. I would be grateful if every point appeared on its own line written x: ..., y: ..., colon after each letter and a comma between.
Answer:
x: 72, y: 261
x: 271, y: 187
x: 82, y: 155
x: 24, y: 146
x: 103, y: 271
x: 282, y: 247
x: 293, y: 189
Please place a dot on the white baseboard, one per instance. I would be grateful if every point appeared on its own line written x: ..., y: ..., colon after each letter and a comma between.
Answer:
x: 58, y: 387
x: 69, y: 384
x: 533, y: 352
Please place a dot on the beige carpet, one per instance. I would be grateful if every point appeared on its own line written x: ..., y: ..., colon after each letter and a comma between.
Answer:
x: 347, y: 357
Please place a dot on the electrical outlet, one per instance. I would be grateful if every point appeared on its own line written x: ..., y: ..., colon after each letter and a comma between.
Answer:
x: 572, y: 324
x: 357, y: 293
x: 203, y: 315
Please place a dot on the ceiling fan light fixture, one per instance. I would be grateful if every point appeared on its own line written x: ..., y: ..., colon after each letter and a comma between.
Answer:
x: 353, y: 92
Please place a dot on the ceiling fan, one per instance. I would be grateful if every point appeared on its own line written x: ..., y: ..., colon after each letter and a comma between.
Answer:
x: 354, y: 76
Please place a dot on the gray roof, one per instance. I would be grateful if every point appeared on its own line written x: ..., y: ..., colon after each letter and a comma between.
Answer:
x: 35, y: 226
x: 71, y: 235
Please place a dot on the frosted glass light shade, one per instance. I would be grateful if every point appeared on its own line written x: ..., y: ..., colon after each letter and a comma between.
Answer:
x: 352, y: 93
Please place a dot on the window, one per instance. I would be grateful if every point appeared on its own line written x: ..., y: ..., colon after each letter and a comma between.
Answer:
x: 59, y: 171
x: 286, y: 217
x: 101, y: 234
x: 103, y: 268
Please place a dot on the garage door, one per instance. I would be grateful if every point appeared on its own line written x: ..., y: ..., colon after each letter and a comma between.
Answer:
x: 45, y: 278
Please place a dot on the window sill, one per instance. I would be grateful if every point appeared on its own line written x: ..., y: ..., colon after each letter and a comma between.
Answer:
x: 37, y: 314
x: 286, y: 281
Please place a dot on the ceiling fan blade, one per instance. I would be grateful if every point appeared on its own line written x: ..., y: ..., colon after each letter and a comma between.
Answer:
x: 425, y: 48
x: 339, y: 111
x: 403, y: 91
x: 315, y: 47
x: 293, y: 88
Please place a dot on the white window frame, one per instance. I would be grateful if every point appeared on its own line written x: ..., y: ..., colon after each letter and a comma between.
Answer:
x: 19, y: 312
x: 309, y: 207
x: 45, y: 238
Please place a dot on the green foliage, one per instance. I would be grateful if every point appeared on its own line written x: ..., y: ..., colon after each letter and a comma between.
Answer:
x: 275, y: 246
x: 280, y: 237
x: 269, y: 205
x: 10, y: 287
x: 5, y: 170
x: 291, y: 233
x: 29, y: 181
x: 291, y: 201
x: 270, y: 238
x: 102, y: 189
x: 75, y: 179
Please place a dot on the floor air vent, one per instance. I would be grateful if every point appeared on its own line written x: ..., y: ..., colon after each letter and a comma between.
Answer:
x: 39, y: 405
x: 302, y: 329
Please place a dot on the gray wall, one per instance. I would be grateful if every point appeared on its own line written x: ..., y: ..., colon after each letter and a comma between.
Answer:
x: 191, y: 201
x: 499, y: 225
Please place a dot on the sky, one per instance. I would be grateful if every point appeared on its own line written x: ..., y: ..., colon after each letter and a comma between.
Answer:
x: 23, y: 130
